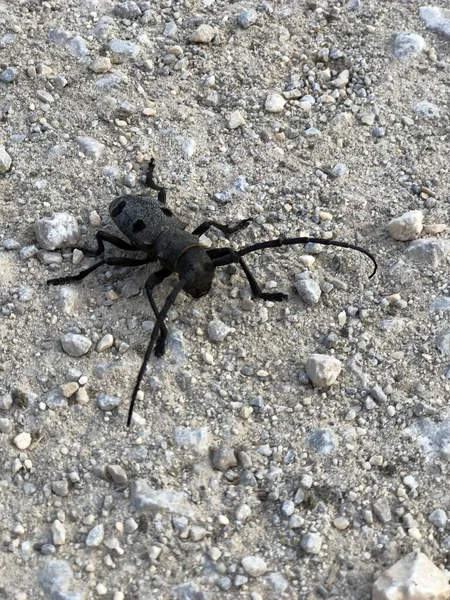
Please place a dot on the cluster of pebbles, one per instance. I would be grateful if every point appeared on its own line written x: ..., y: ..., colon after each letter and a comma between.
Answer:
x: 295, y: 450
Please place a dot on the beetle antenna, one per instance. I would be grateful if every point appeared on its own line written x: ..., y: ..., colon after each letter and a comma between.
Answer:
x: 307, y: 240
x: 159, y: 321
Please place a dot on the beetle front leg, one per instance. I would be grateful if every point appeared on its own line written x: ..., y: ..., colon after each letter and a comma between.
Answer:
x: 226, y: 229
x: 103, y: 236
x: 154, y: 280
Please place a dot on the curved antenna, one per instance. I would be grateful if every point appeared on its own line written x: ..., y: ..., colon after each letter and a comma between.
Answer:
x: 159, y: 321
x: 306, y: 240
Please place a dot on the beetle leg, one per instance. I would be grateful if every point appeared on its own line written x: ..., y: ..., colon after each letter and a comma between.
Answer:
x: 103, y: 236
x: 229, y: 256
x: 113, y: 261
x: 154, y: 280
x: 227, y: 229
x: 150, y: 182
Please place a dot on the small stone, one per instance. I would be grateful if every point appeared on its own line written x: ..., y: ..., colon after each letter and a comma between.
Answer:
x: 288, y: 508
x: 322, y: 370
x: 127, y: 10
x: 197, y: 533
x: 426, y: 109
x: 217, y: 330
x: 407, y: 227
x: 145, y: 498
x: 235, y: 120
x: 22, y: 441
x: 10, y: 244
x: 208, y: 358
x: 8, y: 75
x: 438, y: 518
x: 188, y: 148
x: 27, y: 252
x: 436, y: 19
x: 278, y: 582
x: 60, y: 488
x: 69, y: 389
x: 341, y: 80
x: 106, y: 342
x: 45, y: 96
x: 122, y: 50
x: 341, y: 523
x: 311, y: 543
x: 56, y: 578
x: 75, y: 344
x: 274, y: 102
x: 95, y: 536
x: 91, y: 147
x: 414, y: 577
x: 224, y: 458
x: 154, y: 552
x: 5, y: 160
x: 204, y: 34
x: 323, y: 441
x: 194, y: 439
x: 247, y: 18
x: 407, y: 45
x: 108, y: 403
x: 58, y: 533
x: 308, y: 290
x: 254, y: 566
x: 101, y: 64
x: 6, y: 401
x: 57, y: 231
x: 118, y: 474
x: 429, y: 252
x: 382, y: 510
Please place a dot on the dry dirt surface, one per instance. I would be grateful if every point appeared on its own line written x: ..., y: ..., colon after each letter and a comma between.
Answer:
x: 253, y: 468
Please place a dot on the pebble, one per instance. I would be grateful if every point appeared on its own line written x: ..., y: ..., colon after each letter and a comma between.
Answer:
x: 274, y: 102
x: 68, y: 297
x: 308, y: 290
x: 188, y: 148
x: 118, y: 474
x: 436, y: 19
x: 341, y: 523
x: 243, y: 513
x: 69, y: 389
x: 235, y: 120
x: 311, y: 543
x: 407, y: 227
x: 57, y: 231
x: 5, y: 160
x: 247, y: 18
x: 58, y: 533
x: 426, y: 109
x: 106, y: 342
x: 75, y: 344
x: 145, y: 498
x: 122, y: 50
x: 91, y: 147
x: 95, y: 536
x: 382, y: 510
x: 127, y: 10
x: 323, y: 441
x: 322, y: 370
x: 407, y: 45
x: 6, y: 401
x: 60, y: 488
x: 341, y: 80
x: 443, y: 343
x: 429, y: 252
x: 108, y: 403
x: 224, y: 458
x: 438, y: 518
x: 45, y: 96
x: 8, y: 75
x: 56, y: 578
x: 413, y: 577
x: 208, y: 358
x: 27, y: 252
x: 10, y: 245
x: 254, y: 566
x: 101, y: 64
x: 194, y: 439
x: 204, y: 34
x: 22, y: 441
x: 217, y: 330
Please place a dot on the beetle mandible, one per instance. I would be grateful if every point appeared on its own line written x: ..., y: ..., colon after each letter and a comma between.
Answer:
x: 152, y: 228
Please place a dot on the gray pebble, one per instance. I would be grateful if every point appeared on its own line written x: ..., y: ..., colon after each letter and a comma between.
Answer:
x: 224, y: 583
x: 323, y: 441
x: 195, y: 439
x: 55, y: 399
x: 90, y: 146
x: 308, y: 290
x: 77, y: 45
x: 311, y: 543
x: 49, y: 258
x: 127, y: 10
x: 8, y: 75
x: 224, y: 458
x: 440, y: 304
x: 274, y: 102
x: 58, y: 533
x: 254, y: 566
x: 145, y: 498
x: 430, y: 252
x: 407, y: 45
x: 59, y: 230
x: 56, y: 578
x: 68, y: 297
x: 204, y: 34
x: 217, y: 330
x: 45, y: 96
x: 426, y: 109
x: 5, y: 160
x: 436, y: 19
x: 108, y: 403
x: 75, y: 344
x: 247, y: 18
x: 6, y: 401
x: 95, y: 536
x: 438, y: 518
x: 278, y: 582
x: 10, y: 244
x: 443, y: 343
x: 118, y: 474
x: 122, y: 50
x: 378, y: 131
x: 103, y: 28
x: 382, y: 510
x: 60, y: 488
x: 407, y: 227
x: 322, y: 370
x: 130, y: 288
x: 25, y: 294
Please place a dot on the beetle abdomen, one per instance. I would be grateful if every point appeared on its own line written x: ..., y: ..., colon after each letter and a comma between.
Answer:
x: 142, y: 218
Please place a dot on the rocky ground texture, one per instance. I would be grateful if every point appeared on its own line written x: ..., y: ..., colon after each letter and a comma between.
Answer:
x: 278, y: 450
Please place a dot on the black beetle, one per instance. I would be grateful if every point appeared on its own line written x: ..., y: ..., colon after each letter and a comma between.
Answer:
x: 152, y: 228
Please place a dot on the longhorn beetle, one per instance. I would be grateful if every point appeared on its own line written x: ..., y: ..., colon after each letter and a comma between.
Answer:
x: 152, y: 228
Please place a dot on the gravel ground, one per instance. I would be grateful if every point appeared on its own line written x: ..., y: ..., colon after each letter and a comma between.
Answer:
x: 279, y: 450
